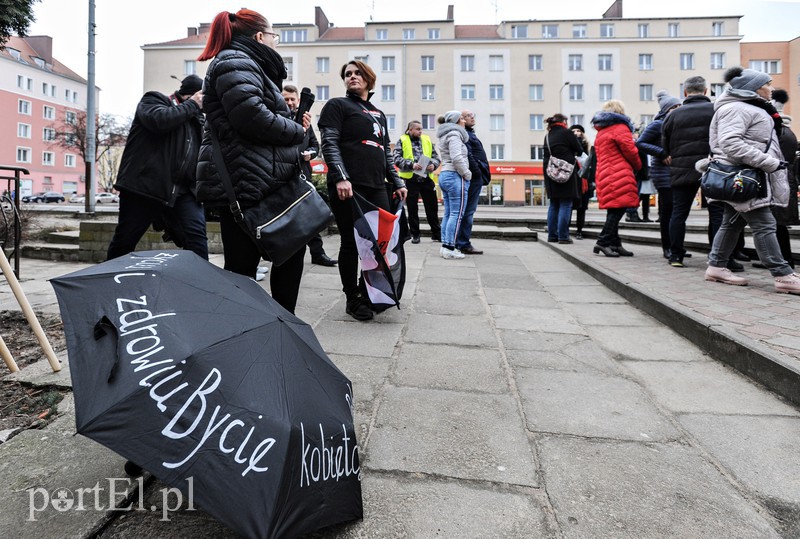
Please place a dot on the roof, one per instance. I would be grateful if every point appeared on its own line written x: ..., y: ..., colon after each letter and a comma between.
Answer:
x: 195, y: 40
x: 27, y: 54
x: 344, y: 34
x: 476, y: 31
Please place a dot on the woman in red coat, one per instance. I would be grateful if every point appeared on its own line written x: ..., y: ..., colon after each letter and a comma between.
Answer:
x: 617, y: 162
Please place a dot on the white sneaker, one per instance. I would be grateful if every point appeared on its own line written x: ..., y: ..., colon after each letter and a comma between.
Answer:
x: 455, y: 254
x: 788, y: 284
x: 724, y: 275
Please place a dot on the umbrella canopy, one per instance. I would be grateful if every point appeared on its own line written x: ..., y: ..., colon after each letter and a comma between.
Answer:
x: 200, y: 377
x: 379, y: 239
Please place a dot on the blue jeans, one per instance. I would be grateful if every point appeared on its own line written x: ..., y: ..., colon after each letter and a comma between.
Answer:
x: 558, y: 216
x: 762, y: 222
x: 454, y: 198
x: 185, y: 222
x: 473, y: 194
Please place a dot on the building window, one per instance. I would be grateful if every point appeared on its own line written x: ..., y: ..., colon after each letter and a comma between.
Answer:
x: 717, y: 89
x: 15, y: 54
x: 536, y: 92
x: 387, y: 92
x: 434, y: 33
x: 467, y: 63
x: 645, y: 62
x: 48, y: 180
x: 604, y: 62
x: 48, y: 159
x: 23, y: 131
x: 496, y: 62
x: 468, y: 92
x: 575, y: 62
x: 48, y: 113
x: 408, y: 34
x: 67, y: 95
x: 773, y: 67
x: 69, y: 117
x: 606, y: 30
x: 294, y: 36
x: 519, y: 32
x: 576, y: 119
x: 74, y: 97
x: 687, y: 60
x: 549, y: 31
x: 645, y: 92
x: 381, y: 34
x: 644, y: 30
x: 189, y: 67
x: 45, y: 88
x: 576, y: 92
x: 536, y: 122
x: 674, y: 29
x: 497, y: 122
x: 535, y: 62
x: 323, y: 93
x: 48, y: 134
x: 428, y: 92
x: 578, y: 30
x: 498, y: 152
x: 20, y: 82
x: 69, y: 160
x: 39, y: 62
x: 645, y: 119
x: 24, y: 107
x: 496, y: 92
x: 428, y: 121
x: 717, y: 60
x: 391, y: 122
x: 289, y: 63
x: 717, y: 29
x: 387, y: 63
x: 323, y: 64
x: 606, y: 92
x: 537, y: 153
x: 23, y: 155
x: 428, y: 63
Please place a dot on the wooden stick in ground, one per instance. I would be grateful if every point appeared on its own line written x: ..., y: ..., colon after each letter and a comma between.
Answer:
x: 55, y: 364
x: 7, y: 357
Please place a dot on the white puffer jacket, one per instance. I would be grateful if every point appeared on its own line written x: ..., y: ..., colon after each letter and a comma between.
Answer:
x: 739, y: 135
x: 453, y: 149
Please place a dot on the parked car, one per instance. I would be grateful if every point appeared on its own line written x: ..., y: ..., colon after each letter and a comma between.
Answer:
x: 49, y: 196
x: 79, y: 199
x: 100, y: 198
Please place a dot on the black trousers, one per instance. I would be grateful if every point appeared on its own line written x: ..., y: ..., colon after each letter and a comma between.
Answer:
x: 609, y: 236
x: 427, y: 191
x: 348, y: 252
x: 242, y: 257
x: 315, y: 246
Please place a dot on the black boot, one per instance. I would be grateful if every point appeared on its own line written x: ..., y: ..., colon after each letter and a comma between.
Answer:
x: 608, y: 251
x: 621, y: 251
x: 358, y: 308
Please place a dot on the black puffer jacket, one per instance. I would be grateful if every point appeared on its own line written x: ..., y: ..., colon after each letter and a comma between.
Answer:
x: 260, y: 142
x: 684, y: 136
x: 160, y: 156
x: 565, y: 145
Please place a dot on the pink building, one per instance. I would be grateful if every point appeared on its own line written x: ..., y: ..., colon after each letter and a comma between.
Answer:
x: 37, y: 94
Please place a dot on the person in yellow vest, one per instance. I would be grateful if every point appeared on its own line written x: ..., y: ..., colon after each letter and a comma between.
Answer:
x: 416, y: 159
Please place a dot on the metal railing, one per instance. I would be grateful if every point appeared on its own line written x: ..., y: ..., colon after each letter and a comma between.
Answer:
x: 10, y: 220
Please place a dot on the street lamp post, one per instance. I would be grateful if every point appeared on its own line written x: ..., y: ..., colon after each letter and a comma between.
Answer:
x: 561, y: 97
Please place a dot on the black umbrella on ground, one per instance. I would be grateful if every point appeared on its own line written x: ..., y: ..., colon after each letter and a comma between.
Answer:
x: 197, y: 375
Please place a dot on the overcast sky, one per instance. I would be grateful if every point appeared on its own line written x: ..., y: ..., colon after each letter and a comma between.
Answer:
x: 124, y: 26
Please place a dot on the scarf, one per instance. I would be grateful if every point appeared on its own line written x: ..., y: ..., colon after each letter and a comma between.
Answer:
x: 266, y: 57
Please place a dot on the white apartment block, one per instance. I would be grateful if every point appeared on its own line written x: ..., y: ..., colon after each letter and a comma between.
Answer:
x: 513, y: 75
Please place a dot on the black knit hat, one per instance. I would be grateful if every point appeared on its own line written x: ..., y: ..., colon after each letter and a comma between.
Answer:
x: 191, y: 85
x: 578, y: 127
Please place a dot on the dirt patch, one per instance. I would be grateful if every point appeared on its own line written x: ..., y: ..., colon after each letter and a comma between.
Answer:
x: 23, y: 406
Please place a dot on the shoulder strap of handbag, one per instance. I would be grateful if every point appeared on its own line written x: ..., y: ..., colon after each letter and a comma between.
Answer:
x: 547, y: 142
x: 222, y: 171
x: 369, y: 113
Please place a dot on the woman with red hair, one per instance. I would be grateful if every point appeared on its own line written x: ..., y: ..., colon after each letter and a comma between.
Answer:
x: 259, y: 140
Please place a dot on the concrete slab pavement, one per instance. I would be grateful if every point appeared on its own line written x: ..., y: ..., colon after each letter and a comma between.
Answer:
x: 546, y: 406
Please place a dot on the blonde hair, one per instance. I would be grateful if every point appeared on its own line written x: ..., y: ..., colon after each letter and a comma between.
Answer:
x: 614, y: 105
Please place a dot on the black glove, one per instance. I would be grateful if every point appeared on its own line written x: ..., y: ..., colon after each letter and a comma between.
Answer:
x: 782, y: 165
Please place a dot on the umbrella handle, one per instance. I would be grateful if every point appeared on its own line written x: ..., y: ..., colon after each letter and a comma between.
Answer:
x: 103, y: 327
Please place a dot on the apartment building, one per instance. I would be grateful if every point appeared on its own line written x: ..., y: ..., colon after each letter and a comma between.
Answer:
x: 38, y: 93
x: 513, y: 75
x: 775, y: 58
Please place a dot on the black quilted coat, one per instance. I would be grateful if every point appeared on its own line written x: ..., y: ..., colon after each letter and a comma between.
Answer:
x: 260, y: 143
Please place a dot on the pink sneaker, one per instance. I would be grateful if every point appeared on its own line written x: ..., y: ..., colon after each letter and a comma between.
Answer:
x: 724, y: 275
x: 788, y: 284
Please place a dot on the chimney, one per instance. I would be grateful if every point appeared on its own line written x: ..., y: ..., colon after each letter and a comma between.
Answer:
x: 43, y: 45
x: 321, y: 20
x: 450, y: 12
x: 205, y: 27
x: 615, y: 11
x: 191, y: 31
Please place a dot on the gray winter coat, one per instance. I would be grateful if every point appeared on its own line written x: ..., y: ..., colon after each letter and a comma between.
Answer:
x: 453, y: 149
x: 738, y: 135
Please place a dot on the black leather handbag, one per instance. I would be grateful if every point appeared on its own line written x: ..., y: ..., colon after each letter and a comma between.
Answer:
x: 282, y: 222
x: 734, y: 183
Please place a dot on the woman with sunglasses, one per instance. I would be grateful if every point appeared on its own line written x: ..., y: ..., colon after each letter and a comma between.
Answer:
x: 357, y: 150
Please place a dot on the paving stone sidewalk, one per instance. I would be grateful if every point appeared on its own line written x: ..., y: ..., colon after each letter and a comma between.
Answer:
x: 513, y: 395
